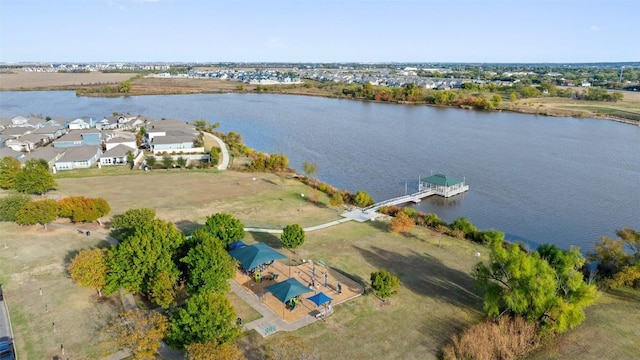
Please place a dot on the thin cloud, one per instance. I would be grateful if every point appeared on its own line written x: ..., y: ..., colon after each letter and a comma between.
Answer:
x: 594, y: 28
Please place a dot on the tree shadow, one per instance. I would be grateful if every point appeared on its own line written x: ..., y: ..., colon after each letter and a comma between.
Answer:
x: 253, y: 346
x: 426, y: 275
x: 187, y: 226
x: 272, y: 240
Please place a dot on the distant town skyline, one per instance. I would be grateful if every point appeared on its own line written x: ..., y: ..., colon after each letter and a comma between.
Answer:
x: 308, y: 31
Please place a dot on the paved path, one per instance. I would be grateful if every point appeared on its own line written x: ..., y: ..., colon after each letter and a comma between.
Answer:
x: 224, y: 163
x: 270, y: 322
x: 356, y: 215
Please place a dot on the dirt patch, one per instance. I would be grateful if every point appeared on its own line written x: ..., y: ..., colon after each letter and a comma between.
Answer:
x: 21, y: 80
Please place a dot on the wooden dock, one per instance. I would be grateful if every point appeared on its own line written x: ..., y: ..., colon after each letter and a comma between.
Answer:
x: 438, y: 184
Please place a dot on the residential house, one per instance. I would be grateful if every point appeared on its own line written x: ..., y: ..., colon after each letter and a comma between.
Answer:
x: 81, y: 123
x: 9, y: 152
x: 16, y: 132
x: 129, y: 142
x: 117, y: 155
x: 78, y: 138
x: 47, y: 153
x: 51, y: 131
x: 27, y: 143
x: 171, y: 143
x: 78, y: 157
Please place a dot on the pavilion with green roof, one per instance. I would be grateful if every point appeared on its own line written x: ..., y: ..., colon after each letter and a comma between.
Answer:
x: 442, y: 185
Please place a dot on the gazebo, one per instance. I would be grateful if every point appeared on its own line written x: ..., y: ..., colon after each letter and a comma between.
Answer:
x: 442, y: 185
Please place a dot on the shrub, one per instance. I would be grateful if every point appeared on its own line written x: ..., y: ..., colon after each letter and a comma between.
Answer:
x: 402, y: 223
x: 362, y: 199
x: 384, y: 283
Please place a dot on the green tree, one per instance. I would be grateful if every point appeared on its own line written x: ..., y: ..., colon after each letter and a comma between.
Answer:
x: 292, y: 236
x: 336, y: 199
x: 363, y: 199
x: 619, y: 259
x: 384, y: 283
x: 89, y: 269
x: 151, y: 161
x: 206, y: 316
x: 34, y: 178
x: 125, y: 87
x: 225, y: 228
x: 167, y: 161
x: 552, y: 295
x: 310, y: 169
x: 130, y: 159
x: 463, y: 224
x: 10, y: 204
x: 215, y: 155
x: 139, y: 331
x: 182, y: 162
x: 209, y: 266
x: 140, y: 136
x: 126, y: 224
x: 38, y: 212
x: 9, y: 168
x: 163, y: 287
x: 140, y: 257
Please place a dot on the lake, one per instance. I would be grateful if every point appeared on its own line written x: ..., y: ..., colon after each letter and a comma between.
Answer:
x: 563, y: 181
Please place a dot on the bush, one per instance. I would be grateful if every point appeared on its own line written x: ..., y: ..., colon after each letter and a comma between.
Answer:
x: 362, y: 199
x: 507, y: 339
x: 384, y: 283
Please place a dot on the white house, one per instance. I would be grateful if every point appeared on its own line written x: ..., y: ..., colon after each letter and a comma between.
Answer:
x: 81, y: 123
x: 78, y: 157
x: 117, y: 155
x: 131, y: 143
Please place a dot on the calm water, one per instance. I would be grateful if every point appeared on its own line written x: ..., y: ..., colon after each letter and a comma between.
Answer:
x: 546, y: 180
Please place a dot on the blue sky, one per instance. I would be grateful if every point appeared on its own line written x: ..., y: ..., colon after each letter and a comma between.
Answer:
x: 320, y: 30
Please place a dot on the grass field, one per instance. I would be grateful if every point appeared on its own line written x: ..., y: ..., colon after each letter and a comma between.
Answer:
x: 436, y: 300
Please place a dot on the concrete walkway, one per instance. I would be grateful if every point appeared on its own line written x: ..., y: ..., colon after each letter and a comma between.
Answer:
x: 270, y: 322
x: 224, y: 163
x: 356, y: 215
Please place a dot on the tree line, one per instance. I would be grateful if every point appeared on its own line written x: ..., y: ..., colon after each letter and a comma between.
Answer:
x: 186, y: 275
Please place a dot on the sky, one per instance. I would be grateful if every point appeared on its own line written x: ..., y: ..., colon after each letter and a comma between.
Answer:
x: 316, y: 31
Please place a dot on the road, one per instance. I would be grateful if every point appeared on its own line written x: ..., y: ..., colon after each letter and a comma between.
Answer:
x: 5, y: 328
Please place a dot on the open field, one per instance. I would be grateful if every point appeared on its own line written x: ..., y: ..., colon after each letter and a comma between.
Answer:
x: 21, y: 80
x: 436, y: 300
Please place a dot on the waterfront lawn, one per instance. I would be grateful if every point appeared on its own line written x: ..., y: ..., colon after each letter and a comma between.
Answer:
x: 436, y: 300
x: 610, y: 331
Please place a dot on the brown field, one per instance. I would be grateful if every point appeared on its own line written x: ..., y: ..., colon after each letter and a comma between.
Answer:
x: 21, y: 80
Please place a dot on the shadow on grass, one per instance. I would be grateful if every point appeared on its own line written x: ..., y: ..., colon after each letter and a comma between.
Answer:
x: 253, y: 345
x: 426, y: 275
x: 272, y: 240
x: 187, y: 226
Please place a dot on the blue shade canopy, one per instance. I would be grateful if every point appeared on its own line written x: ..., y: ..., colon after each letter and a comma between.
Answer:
x: 287, y: 289
x: 255, y: 255
x: 236, y: 245
x: 319, y: 298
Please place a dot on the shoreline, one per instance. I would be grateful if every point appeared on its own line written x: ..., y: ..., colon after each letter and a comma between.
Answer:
x: 551, y: 112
